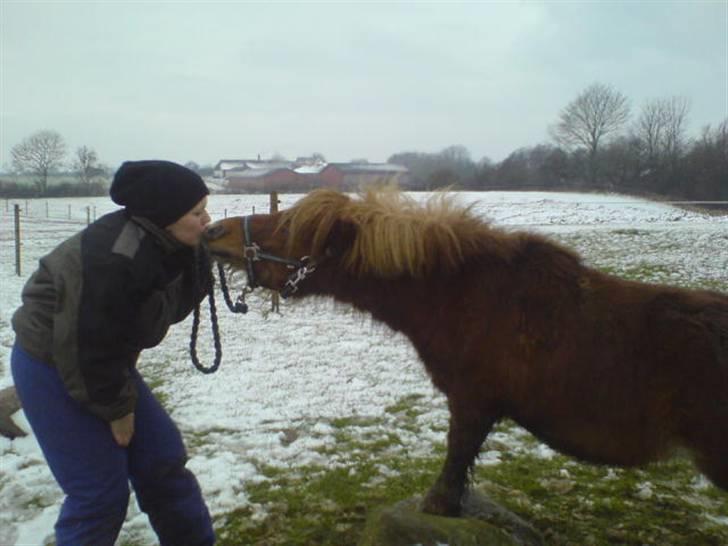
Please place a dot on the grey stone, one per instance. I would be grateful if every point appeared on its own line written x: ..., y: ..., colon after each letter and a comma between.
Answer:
x: 483, y: 523
x: 9, y: 404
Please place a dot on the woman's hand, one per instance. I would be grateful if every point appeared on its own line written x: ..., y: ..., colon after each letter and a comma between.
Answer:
x: 123, y: 429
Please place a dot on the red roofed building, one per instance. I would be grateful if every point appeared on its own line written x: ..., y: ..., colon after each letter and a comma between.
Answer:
x: 256, y: 176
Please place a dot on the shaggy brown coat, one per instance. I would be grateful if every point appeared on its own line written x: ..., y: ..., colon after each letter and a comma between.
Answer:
x: 514, y: 325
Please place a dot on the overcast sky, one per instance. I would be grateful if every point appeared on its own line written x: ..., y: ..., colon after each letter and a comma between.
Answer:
x: 209, y: 80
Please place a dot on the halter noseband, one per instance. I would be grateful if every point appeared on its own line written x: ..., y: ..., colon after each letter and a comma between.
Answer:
x: 252, y: 253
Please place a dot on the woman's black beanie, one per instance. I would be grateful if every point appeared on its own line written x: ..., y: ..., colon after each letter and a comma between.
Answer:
x: 160, y: 191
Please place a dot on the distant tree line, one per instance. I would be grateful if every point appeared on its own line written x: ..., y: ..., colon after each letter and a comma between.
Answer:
x: 596, y: 147
x: 42, y: 156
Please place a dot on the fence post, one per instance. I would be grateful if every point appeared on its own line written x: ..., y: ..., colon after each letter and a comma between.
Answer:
x: 46, y: 209
x: 88, y: 215
x: 69, y: 212
x: 16, y: 208
x: 275, y: 299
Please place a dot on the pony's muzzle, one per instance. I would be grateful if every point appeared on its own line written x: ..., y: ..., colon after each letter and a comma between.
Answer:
x: 215, y: 231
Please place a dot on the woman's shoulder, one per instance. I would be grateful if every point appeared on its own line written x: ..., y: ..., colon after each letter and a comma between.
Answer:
x: 114, y: 235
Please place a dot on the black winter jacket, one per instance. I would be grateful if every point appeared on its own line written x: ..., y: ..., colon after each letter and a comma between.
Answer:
x: 101, y: 297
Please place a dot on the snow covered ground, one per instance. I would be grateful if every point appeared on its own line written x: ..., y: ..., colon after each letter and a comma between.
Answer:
x: 315, y: 362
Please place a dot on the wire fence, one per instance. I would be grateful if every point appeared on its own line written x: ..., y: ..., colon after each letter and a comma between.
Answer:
x: 62, y: 217
x: 74, y: 214
x: 79, y: 214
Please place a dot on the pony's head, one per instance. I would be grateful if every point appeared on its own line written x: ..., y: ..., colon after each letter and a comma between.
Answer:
x: 381, y: 233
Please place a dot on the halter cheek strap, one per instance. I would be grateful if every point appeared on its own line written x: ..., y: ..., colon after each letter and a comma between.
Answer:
x: 252, y: 253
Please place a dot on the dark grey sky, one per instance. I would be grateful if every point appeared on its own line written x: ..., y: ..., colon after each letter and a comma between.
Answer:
x: 208, y: 80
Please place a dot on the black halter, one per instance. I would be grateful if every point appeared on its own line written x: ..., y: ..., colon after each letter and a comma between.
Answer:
x: 252, y: 253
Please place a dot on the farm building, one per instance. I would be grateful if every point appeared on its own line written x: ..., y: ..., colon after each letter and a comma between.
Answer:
x: 262, y: 180
x: 353, y: 176
x: 254, y: 176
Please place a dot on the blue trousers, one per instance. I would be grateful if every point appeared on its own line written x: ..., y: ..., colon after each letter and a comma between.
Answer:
x: 94, y: 471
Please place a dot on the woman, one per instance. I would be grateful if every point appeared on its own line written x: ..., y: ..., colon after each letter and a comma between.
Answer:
x: 94, y: 303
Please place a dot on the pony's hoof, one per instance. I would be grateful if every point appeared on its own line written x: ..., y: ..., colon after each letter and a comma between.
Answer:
x: 439, y: 505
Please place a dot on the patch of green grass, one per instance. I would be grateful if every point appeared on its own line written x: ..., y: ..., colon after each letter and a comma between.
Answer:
x: 568, y: 502
x: 406, y: 406
x: 407, y: 410
x: 574, y: 503
x: 354, y: 421
x: 632, y: 232
x: 363, y: 447
x: 202, y: 439
x: 326, y: 507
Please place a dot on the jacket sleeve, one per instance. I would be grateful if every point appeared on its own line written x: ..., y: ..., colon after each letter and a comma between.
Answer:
x: 174, y: 302
x: 197, y: 283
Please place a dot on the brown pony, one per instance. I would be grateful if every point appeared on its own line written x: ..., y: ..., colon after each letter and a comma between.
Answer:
x: 509, y: 325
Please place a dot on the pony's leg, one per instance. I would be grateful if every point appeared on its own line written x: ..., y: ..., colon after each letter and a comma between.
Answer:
x: 710, y: 448
x: 468, y: 429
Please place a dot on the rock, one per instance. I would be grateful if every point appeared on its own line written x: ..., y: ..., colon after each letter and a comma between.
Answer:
x: 483, y: 523
x: 9, y: 404
x: 478, y: 505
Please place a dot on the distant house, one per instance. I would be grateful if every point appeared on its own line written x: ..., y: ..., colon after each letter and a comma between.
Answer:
x: 310, y: 161
x: 226, y: 166
x: 355, y: 176
x: 305, y: 174
x: 257, y: 180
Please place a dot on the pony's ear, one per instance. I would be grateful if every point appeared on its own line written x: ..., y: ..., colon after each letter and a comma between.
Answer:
x: 340, y: 238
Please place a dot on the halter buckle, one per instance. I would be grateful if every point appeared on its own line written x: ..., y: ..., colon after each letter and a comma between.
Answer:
x: 305, y: 269
x: 250, y: 252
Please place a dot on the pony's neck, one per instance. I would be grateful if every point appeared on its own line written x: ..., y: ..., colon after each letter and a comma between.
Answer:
x: 402, y: 304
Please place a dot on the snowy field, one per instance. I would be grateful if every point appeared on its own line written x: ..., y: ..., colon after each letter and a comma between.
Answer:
x: 284, y: 377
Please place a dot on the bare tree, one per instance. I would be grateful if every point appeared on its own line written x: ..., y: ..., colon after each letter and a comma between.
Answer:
x: 597, y: 113
x: 675, y: 119
x: 649, y: 130
x: 85, y: 164
x: 661, y: 128
x: 39, y: 154
x: 456, y: 153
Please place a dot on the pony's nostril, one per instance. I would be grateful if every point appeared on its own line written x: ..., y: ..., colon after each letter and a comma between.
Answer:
x: 214, y: 232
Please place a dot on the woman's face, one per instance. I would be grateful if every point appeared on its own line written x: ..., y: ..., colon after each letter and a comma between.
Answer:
x: 188, y: 230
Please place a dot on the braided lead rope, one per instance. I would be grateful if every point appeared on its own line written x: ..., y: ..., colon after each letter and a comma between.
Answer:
x: 213, y: 321
x: 238, y: 307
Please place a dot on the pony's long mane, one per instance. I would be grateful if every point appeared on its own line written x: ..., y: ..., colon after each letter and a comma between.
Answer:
x: 394, y: 235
